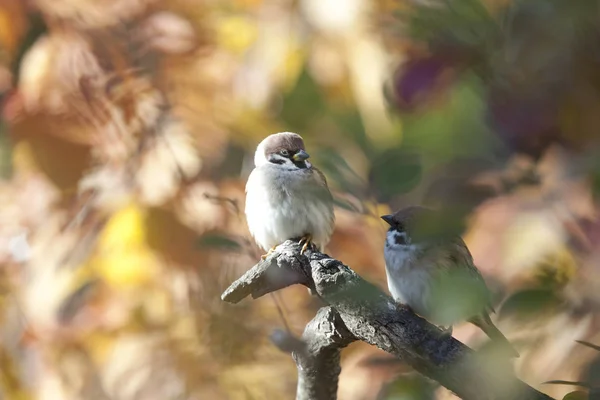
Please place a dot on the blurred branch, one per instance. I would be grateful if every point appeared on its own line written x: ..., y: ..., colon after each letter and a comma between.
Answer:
x: 361, y: 311
x: 317, y: 354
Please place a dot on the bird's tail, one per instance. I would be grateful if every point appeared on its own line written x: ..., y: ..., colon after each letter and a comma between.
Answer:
x: 487, y: 326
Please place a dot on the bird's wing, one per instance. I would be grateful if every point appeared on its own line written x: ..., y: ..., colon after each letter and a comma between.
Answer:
x: 320, y: 177
x: 452, y: 254
x: 322, y: 189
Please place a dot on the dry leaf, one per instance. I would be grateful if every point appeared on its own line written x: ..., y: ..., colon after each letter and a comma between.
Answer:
x: 169, y: 33
x: 170, y: 159
x: 92, y: 14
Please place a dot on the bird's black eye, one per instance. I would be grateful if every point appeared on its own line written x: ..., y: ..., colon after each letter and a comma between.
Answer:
x: 285, y: 153
x: 400, y: 227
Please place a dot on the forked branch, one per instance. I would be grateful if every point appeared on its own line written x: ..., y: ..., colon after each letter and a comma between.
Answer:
x: 359, y: 310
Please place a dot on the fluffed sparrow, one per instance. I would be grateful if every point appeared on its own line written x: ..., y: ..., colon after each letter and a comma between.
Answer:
x: 432, y: 271
x: 286, y: 197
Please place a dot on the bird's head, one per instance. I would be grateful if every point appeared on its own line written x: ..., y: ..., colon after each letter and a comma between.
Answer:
x: 412, y: 225
x: 285, y: 149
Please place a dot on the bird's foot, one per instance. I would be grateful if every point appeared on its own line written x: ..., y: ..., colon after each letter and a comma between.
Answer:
x: 305, y: 241
x: 271, y: 250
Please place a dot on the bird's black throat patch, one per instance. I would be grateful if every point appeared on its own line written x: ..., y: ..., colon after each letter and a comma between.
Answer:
x: 300, y: 164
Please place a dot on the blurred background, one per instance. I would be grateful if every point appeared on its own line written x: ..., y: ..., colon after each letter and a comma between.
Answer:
x: 128, y: 131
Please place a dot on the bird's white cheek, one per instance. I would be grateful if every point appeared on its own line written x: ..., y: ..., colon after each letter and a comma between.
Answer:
x: 389, y: 239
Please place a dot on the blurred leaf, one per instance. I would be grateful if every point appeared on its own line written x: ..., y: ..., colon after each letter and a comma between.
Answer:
x: 76, y: 300
x: 173, y: 239
x: 37, y: 28
x: 63, y: 162
x: 12, y: 384
x: 576, y: 395
x: 346, y: 205
x: 529, y: 303
x: 218, y: 241
x: 570, y: 383
x: 588, y: 344
x: 350, y: 122
x: 457, y: 295
x: 395, y: 171
x: 122, y: 256
x: 592, y: 373
x: 432, y: 226
x: 409, y: 388
x: 337, y: 170
x: 5, y: 152
x: 421, y: 80
x: 303, y: 104
x: 451, y: 192
x: 237, y: 32
x: 455, y: 129
x: 464, y: 21
x: 595, y: 175
x: 556, y: 271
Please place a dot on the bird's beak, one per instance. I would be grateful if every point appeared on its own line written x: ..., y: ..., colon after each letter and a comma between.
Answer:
x: 387, y: 218
x: 301, y: 155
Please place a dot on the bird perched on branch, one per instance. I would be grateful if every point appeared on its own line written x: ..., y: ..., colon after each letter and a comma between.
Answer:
x: 286, y: 197
x: 430, y: 269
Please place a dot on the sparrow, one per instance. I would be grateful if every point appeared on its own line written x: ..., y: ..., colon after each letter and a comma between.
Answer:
x: 286, y: 197
x: 432, y: 271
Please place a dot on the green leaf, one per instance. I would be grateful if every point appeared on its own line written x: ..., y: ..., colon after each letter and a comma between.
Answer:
x: 303, y: 104
x: 410, y: 388
x: 337, y: 170
x: 463, y: 21
x: 455, y: 129
x: 530, y: 302
x: 395, y: 171
x: 346, y: 205
x: 570, y: 383
x: 457, y: 295
x: 576, y: 395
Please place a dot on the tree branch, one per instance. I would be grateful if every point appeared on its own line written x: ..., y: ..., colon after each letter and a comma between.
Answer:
x: 317, y: 355
x: 361, y: 311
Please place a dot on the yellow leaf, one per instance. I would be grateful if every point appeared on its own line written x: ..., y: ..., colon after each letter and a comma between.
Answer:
x: 292, y: 66
x: 236, y: 33
x: 100, y: 345
x: 131, y: 267
x: 123, y: 257
x: 124, y: 229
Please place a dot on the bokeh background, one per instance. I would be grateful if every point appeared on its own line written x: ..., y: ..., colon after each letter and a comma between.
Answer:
x: 128, y: 131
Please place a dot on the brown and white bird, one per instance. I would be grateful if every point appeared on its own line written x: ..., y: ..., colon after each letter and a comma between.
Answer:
x: 432, y: 271
x: 286, y: 197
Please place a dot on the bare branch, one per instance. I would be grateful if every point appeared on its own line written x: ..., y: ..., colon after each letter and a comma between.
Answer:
x: 281, y: 269
x: 317, y: 354
x: 361, y: 311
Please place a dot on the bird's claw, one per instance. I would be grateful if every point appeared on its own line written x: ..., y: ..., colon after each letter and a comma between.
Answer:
x: 264, y: 256
x: 305, y: 241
